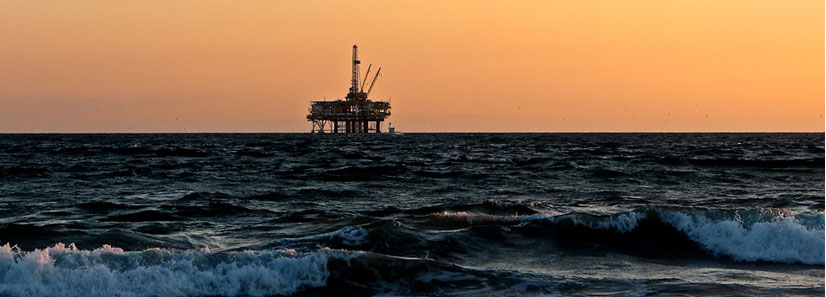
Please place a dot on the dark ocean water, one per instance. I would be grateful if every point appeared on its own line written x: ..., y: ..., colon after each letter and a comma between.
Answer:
x: 412, y: 214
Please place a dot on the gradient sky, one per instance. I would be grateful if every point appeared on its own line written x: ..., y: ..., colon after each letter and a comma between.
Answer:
x: 221, y: 66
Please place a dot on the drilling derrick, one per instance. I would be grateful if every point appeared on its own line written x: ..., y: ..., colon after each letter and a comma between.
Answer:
x: 354, y: 85
x: 356, y: 113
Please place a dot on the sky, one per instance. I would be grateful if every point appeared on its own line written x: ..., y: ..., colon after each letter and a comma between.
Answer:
x: 447, y: 66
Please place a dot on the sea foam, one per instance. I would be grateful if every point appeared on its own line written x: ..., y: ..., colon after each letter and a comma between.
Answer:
x: 107, y: 271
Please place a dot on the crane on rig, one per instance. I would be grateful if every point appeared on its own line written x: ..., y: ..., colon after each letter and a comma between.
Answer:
x: 374, y: 80
x: 365, y: 76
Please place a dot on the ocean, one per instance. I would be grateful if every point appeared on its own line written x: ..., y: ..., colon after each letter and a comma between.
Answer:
x: 412, y: 214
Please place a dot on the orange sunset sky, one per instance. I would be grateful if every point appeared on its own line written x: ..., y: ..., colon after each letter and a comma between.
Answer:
x: 500, y: 66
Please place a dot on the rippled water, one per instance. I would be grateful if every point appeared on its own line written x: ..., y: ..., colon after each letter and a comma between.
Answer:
x: 412, y: 214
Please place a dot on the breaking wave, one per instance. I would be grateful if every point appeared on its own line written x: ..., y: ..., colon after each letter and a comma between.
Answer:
x: 784, y: 239
x: 749, y: 236
x: 108, y: 271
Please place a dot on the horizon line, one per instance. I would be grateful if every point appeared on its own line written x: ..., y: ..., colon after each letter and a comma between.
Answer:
x: 434, y: 132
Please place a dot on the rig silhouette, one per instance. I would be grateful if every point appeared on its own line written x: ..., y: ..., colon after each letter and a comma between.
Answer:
x: 356, y: 113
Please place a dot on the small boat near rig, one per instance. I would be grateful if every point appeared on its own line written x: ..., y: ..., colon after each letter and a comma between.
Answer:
x: 355, y: 114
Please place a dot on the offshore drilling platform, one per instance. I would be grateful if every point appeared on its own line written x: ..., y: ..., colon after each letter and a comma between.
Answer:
x: 355, y: 114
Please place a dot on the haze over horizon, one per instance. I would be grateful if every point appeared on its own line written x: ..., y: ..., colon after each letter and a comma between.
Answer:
x: 454, y: 66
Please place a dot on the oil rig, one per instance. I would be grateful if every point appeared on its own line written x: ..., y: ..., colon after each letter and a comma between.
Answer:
x: 356, y: 113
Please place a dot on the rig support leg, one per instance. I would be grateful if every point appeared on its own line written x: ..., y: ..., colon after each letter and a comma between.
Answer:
x: 378, y: 127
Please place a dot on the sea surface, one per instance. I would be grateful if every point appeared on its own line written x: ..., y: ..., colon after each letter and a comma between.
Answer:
x: 411, y: 214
